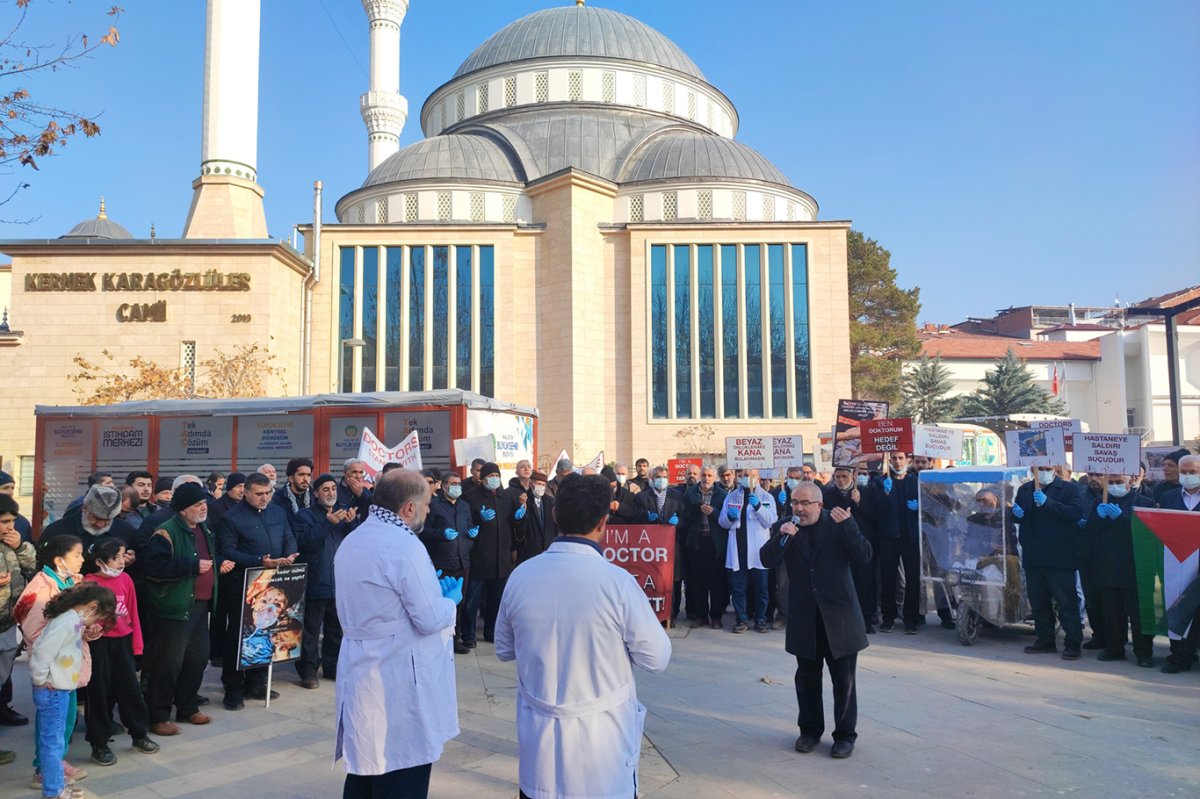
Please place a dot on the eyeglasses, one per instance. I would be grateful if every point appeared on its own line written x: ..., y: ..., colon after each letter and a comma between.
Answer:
x: 805, y: 503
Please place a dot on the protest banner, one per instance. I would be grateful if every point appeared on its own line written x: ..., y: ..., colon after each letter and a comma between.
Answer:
x: 787, y: 451
x: 1069, y: 427
x: 1164, y: 555
x: 937, y: 442
x: 468, y: 449
x: 648, y: 553
x: 847, y: 443
x: 562, y: 456
x: 823, y: 453
x: 1031, y: 448
x: 749, y: 452
x: 886, y: 435
x: 271, y: 621
x: 677, y: 469
x: 596, y: 463
x: 375, y: 455
x: 1108, y: 453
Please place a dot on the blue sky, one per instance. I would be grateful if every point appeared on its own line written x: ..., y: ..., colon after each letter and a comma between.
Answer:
x: 1006, y: 153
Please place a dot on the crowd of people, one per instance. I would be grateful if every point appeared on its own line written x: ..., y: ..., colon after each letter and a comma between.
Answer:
x: 127, y: 599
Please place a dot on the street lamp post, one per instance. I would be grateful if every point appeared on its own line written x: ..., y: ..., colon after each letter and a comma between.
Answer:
x: 346, y: 342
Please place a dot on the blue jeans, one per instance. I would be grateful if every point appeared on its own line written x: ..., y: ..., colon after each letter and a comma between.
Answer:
x: 67, y: 728
x: 51, y: 707
x: 757, y: 579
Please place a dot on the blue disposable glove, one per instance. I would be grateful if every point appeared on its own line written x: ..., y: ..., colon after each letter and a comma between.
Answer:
x: 912, y: 504
x: 520, y: 513
x: 674, y: 520
x: 1082, y: 523
x: 1018, y: 512
x: 733, y: 514
x: 451, y: 588
x: 487, y: 514
x: 887, y: 485
x: 1108, y: 510
x: 754, y: 502
x: 652, y: 517
x: 450, y: 534
x: 474, y: 531
x: 1039, y: 498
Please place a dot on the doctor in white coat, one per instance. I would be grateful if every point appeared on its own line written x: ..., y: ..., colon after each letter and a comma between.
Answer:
x: 748, y: 513
x: 576, y: 624
x: 396, y: 700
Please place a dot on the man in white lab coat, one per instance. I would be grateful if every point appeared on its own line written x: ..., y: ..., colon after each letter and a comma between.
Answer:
x: 748, y: 513
x: 574, y: 623
x: 396, y: 700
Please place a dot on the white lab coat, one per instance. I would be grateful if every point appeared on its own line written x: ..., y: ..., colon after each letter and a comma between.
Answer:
x: 396, y: 699
x: 758, y: 526
x: 574, y: 623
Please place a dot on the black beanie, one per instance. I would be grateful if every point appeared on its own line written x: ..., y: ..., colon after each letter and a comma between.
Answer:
x: 187, y: 495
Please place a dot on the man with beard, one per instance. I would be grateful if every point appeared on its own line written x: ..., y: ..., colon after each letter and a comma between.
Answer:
x: 642, y: 479
x: 235, y: 489
x: 143, y: 483
x: 496, y: 515
x: 353, y: 491
x: 706, y: 544
x: 562, y: 469
x: 1170, y: 467
x: 319, y: 531
x: 96, y: 520
x: 623, y: 506
x: 295, y: 495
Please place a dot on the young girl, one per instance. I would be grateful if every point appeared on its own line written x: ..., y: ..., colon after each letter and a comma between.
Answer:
x: 114, y: 674
x: 56, y: 669
x: 59, y: 562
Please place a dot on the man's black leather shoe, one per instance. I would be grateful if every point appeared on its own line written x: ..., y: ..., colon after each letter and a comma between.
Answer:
x: 11, y: 718
x: 842, y: 749
x: 806, y: 743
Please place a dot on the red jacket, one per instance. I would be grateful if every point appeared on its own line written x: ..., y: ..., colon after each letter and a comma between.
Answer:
x: 126, y: 621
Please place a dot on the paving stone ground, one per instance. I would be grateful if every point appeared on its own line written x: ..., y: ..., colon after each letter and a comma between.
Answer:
x: 935, y: 718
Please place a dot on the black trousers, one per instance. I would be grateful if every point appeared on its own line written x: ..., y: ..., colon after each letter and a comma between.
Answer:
x: 405, y: 783
x: 1183, y: 652
x: 706, y: 585
x: 114, y: 680
x: 892, y: 553
x: 866, y: 580
x: 1093, y: 603
x: 487, y: 593
x: 225, y: 613
x: 177, y: 659
x: 1046, y: 589
x: 845, y: 692
x: 1121, y: 613
x: 316, y: 651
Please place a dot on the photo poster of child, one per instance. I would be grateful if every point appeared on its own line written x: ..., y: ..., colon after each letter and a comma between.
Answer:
x: 847, y: 441
x: 272, y: 616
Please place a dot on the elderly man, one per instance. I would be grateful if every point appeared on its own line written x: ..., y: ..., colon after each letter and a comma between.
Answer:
x: 1170, y: 467
x: 541, y: 529
x: 353, y: 491
x: 97, y: 519
x: 824, y: 620
x: 623, y: 504
x: 563, y: 468
x: 449, y: 536
x: 497, y: 517
x: 181, y: 559
x: 95, y: 478
x: 396, y: 701
x: 319, y: 532
x: 270, y: 472
x: 661, y: 504
x: 706, y: 543
x: 1185, y: 497
x: 748, y: 513
x: 579, y: 723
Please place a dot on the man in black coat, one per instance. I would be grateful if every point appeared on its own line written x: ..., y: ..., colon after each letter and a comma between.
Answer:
x: 897, y: 527
x: 296, y: 494
x: 1048, y: 510
x: 449, y: 536
x: 319, y: 532
x: 541, y: 528
x: 493, y: 512
x: 95, y: 520
x: 824, y: 620
x: 866, y: 502
x: 661, y: 504
x: 706, y: 542
x: 1185, y: 496
x: 1170, y: 466
x: 352, y: 490
x: 623, y: 508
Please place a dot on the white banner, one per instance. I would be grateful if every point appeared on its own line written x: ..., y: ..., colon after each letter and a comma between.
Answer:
x: 788, y: 451
x: 596, y: 463
x: 468, y: 449
x: 1029, y: 448
x: 1108, y: 453
x: 749, y: 452
x: 375, y: 455
x: 937, y: 442
x: 1069, y: 427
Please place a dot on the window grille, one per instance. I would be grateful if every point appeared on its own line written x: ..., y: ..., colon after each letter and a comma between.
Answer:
x: 608, y: 87
x: 692, y: 106
x: 381, y: 212
x: 476, y: 206
x: 711, y: 116
x: 362, y: 213
x: 791, y: 212
x: 637, y: 208
x: 639, y: 91
x: 410, y: 208
x: 510, y: 208
x: 444, y: 206
x: 671, y: 206
x: 769, y: 208
x: 739, y: 206
x: 669, y: 98
x: 704, y: 205
x: 575, y: 85
x: 482, y: 93
x: 510, y: 92
x: 461, y: 106
x: 541, y: 85
x: 187, y: 361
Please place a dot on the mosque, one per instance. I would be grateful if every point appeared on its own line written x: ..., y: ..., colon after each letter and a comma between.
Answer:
x: 579, y: 230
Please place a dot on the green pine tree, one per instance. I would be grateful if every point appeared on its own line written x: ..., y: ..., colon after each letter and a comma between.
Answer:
x: 925, y: 392
x: 1010, y: 388
x: 883, y: 320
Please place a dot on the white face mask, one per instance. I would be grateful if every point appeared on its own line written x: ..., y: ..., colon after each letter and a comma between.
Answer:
x: 109, y: 571
x: 454, y: 491
x: 621, y: 479
x: 792, y: 482
x: 744, y: 482
x: 1045, y: 477
x: 1118, y: 490
x: 660, y: 484
x: 862, y: 480
x: 492, y: 483
x: 1189, y: 480
x: 539, y: 491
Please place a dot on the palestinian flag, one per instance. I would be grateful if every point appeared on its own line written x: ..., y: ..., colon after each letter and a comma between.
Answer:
x: 1166, y: 554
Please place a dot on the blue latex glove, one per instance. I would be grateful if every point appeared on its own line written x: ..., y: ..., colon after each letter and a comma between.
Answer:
x: 887, y: 485
x: 520, y: 513
x: 733, y: 514
x: 673, y: 521
x: 754, y: 502
x: 1039, y: 498
x: 912, y: 504
x: 653, y: 517
x: 1108, y: 510
x: 1082, y: 523
x: 450, y: 534
x: 487, y: 514
x: 451, y: 588
x: 474, y: 531
x: 1018, y: 512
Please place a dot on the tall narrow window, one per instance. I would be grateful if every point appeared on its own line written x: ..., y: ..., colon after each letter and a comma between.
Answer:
x: 670, y: 206
x: 800, y: 330
x: 410, y: 208
x: 510, y: 91
x: 464, y: 312
x: 477, y: 206
x: 416, y: 319
x: 445, y: 206
x: 541, y: 87
x: 706, y: 343
x: 393, y: 264
x: 346, y: 316
x: 777, y: 302
x: 440, y: 323
x: 639, y: 91
x: 575, y: 85
x: 754, y: 333
x: 460, y: 106
x: 510, y: 208
x: 370, y: 315
x: 669, y: 97
x: 730, y: 324
x: 483, y: 96
x: 683, y: 331
x: 658, y: 330
x: 608, y: 87
x: 487, y: 323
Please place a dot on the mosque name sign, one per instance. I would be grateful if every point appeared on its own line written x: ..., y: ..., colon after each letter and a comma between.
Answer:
x: 175, y: 280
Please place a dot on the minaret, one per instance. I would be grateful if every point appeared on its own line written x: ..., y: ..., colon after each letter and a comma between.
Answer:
x: 384, y: 111
x: 228, y: 202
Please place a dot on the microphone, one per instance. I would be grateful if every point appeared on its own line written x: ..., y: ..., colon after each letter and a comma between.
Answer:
x: 783, y: 539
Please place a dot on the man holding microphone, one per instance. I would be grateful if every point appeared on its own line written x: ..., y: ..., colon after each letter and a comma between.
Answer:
x: 824, y: 621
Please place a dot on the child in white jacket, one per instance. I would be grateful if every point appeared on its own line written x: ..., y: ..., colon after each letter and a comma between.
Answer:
x: 56, y: 668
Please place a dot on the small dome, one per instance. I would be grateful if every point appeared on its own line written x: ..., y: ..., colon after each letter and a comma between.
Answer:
x: 683, y: 154
x: 99, y: 228
x: 579, y: 31
x: 452, y: 157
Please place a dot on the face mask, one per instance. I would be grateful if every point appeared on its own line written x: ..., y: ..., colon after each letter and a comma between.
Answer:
x: 1189, y: 480
x: 862, y: 480
x: 492, y: 483
x: 1118, y: 490
x: 620, y: 479
x: 792, y: 482
x: 108, y: 571
x: 660, y: 484
x: 454, y: 492
x: 1045, y: 478
x: 539, y: 491
x: 744, y: 482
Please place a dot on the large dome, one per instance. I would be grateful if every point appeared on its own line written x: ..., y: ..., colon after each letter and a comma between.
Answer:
x: 687, y: 154
x: 579, y: 31
x: 453, y: 157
